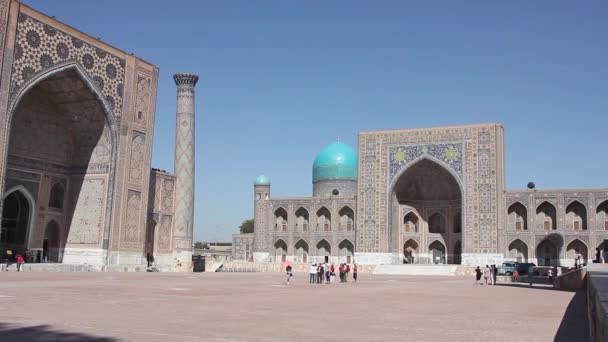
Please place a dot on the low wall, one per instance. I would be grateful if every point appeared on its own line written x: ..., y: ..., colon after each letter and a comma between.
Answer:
x: 597, y: 301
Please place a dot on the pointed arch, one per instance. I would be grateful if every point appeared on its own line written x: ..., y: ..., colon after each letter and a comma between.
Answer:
x: 347, y: 250
x: 518, y: 250
x: 280, y: 216
x: 437, y: 252
x: 51, y: 245
x: 547, y: 253
x: 323, y: 248
x: 106, y: 109
x: 576, y: 216
x: 323, y: 219
x: 517, y: 214
x: 24, y: 216
x: 302, y: 250
x: 546, y: 216
x: 577, y: 250
x: 302, y: 219
x: 410, y: 251
x: 280, y: 250
x: 347, y: 218
x: 410, y: 222
x: 601, y: 215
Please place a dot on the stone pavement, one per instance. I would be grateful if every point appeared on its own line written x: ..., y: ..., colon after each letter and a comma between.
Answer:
x: 259, y: 307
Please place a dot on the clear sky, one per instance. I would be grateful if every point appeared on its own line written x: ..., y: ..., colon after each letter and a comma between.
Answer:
x: 279, y: 80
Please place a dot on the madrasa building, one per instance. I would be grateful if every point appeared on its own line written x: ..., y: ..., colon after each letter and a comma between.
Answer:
x: 423, y: 196
x: 76, y: 123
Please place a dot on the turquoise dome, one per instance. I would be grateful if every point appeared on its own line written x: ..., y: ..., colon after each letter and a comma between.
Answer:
x: 336, y: 161
x: 262, y: 180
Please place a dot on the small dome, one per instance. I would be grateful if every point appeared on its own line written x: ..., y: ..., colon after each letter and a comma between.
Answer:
x: 336, y: 161
x: 262, y: 180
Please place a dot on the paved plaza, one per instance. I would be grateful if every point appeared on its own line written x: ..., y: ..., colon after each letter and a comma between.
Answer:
x: 259, y: 307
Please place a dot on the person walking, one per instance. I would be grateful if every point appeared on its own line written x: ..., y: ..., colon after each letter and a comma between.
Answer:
x: 312, y: 272
x: 332, y: 274
x: 20, y: 262
x: 289, y: 273
x: 341, y: 270
x: 494, y: 274
x: 477, y: 275
x: 486, y: 274
x: 355, y: 269
x: 327, y: 274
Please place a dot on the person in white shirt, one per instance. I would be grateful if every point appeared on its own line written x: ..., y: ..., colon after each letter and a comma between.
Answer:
x: 313, y: 273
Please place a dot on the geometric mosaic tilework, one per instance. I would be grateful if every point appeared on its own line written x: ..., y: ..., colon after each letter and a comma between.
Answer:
x: 451, y: 154
x: 40, y: 47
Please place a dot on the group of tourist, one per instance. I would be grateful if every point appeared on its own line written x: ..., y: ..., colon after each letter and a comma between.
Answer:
x: 324, y: 273
x: 489, y: 272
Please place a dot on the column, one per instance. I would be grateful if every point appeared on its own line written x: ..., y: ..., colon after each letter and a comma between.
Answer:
x: 184, y: 169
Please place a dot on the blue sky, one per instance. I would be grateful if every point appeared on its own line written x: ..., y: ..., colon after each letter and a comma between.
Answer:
x: 279, y: 80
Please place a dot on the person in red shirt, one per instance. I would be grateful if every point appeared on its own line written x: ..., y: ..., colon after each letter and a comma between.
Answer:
x: 341, y: 270
x: 332, y: 274
x: 346, y: 272
x: 20, y: 262
x: 355, y: 269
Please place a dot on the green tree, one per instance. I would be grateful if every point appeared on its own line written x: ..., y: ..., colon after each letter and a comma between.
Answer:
x: 246, y: 227
x: 198, y: 245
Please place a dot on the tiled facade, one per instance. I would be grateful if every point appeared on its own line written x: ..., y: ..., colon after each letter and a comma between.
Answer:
x: 76, y: 124
x: 433, y: 195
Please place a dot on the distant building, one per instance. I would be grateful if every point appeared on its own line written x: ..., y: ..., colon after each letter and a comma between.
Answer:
x: 430, y: 195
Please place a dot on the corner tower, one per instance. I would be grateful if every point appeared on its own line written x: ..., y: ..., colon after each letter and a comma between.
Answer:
x: 334, y: 172
x: 261, y: 241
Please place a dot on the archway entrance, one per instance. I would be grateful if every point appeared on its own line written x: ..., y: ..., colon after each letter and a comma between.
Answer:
x: 61, y: 136
x: 437, y: 251
x: 51, y: 246
x: 16, y: 222
x: 410, y: 249
x: 430, y: 190
x: 547, y: 253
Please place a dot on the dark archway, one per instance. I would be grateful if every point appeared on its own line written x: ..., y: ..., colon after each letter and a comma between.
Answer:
x: 280, y: 216
x: 410, y: 223
x: 517, y: 216
x: 576, y: 216
x: 16, y: 222
x: 518, y: 250
x: 323, y: 220
x: 410, y: 251
x: 347, y: 219
x: 280, y: 250
x: 302, y: 219
x: 429, y: 188
x: 60, y: 126
x: 51, y: 246
x: 347, y: 251
x: 302, y: 250
x: 547, y: 253
x: 437, y: 252
x: 577, y: 251
x: 602, y: 216
x: 546, y: 216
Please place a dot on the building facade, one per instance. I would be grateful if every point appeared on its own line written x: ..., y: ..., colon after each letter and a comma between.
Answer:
x: 76, y: 123
x: 428, y: 196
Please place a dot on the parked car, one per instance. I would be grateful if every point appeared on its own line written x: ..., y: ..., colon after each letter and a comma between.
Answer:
x: 507, y: 268
x: 523, y: 268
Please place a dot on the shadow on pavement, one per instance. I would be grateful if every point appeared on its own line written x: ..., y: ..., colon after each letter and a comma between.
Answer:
x: 9, y: 332
x: 527, y: 286
x: 575, y: 324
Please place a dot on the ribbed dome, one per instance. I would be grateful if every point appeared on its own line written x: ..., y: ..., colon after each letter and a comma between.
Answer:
x: 336, y: 161
x: 262, y: 180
